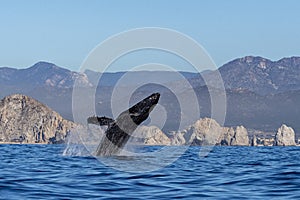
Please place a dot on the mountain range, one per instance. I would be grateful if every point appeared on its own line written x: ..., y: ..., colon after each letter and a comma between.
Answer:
x: 261, y: 75
x: 261, y: 94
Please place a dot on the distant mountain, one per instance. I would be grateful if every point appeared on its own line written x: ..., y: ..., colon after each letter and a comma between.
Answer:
x: 261, y: 94
x: 255, y: 74
x: 261, y: 75
x: 42, y: 74
x: 109, y: 79
x: 263, y: 112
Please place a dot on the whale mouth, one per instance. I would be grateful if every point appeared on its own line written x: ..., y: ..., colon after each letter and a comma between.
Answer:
x: 154, y: 97
x: 145, y: 106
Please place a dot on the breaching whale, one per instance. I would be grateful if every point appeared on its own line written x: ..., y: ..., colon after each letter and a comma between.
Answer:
x: 120, y: 130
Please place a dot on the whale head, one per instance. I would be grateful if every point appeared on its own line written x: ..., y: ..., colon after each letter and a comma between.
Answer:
x: 138, y: 113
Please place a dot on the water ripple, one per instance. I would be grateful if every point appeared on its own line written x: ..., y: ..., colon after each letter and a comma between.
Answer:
x: 42, y: 172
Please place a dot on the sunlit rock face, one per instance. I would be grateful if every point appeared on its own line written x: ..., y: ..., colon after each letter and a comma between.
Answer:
x: 240, y: 137
x: 25, y: 120
x: 285, y: 136
x: 205, y: 131
x: 150, y: 135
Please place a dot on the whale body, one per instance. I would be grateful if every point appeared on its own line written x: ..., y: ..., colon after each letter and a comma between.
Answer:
x: 120, y: 130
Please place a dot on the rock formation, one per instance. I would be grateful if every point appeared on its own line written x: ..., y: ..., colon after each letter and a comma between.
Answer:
x: 177, y: 138
x: 285, y: 136
x: 205, y: 131
x: 240, y: 137
x: 151, y: 135
x: 254, y: 141
x: 208, y: 131
x: 228, y: 134
x: 25, y: 120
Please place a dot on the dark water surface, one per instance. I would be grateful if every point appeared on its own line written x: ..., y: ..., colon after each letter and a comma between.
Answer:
x: 42, y: 172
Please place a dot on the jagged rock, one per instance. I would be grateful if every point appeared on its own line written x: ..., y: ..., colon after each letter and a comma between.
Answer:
x: 268, y: 141
x: 151, y: 135
x: 254, y: 141
x: 208, y: 132
x: 285, y: 136
x: 228, y: 134
x: 261, y: 75
x: 240, y: 137
x: 177, y: 138
x: 25, y: 120
x: 205, y: 131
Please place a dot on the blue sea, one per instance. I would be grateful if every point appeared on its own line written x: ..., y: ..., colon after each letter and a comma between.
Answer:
x: 43, y: 172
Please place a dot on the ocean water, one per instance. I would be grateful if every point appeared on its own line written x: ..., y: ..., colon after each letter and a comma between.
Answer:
x: 43, y: 172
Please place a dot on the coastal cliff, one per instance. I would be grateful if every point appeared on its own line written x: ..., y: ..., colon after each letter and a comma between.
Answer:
x: 25, y: 120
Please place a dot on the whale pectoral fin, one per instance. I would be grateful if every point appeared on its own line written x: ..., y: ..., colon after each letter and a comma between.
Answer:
x: 101, y: 121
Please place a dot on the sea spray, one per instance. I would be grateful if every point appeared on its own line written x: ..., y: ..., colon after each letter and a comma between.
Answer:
x: 83, y: 140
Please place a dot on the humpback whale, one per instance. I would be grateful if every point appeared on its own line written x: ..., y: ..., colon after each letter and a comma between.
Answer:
x: 120, y: 130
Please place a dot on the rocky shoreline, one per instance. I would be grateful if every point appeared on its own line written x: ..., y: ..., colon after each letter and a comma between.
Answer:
x: 24, y: 120
x: 207, y: 131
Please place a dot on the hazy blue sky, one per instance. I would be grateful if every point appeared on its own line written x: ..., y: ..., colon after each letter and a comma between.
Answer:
x: 65, y: 31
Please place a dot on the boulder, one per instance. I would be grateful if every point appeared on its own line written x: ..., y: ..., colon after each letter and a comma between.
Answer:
x: 228, y: 134
x: 177, y: 138
x: 205, y: 131
x: 240, y: 137
x: 254, y: 141
x: 150, y: 135
x: 285, y: 136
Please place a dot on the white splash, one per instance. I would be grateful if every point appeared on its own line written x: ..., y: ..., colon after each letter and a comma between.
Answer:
x: 83, y: 140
